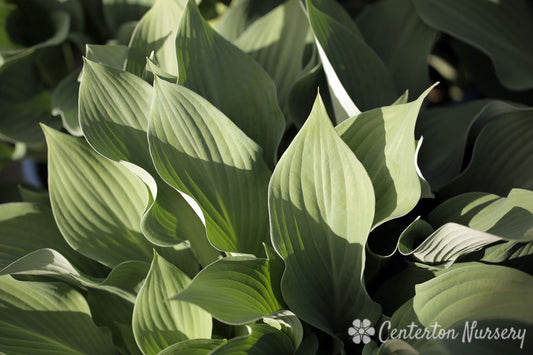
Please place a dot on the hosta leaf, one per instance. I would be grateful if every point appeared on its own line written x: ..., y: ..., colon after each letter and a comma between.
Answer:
x: 321, y: 204
x: 22, y: 103
x: 287, y: 322
x: 115, y: 313
x: 393, y: 29
x: 240, y: 15
x: 303, y: 92
x: 277, y: 42
x: 114, y: 113
x: 235, y: 290
x: 441, y: 157
x: 65, y: 103
x: 473, y: 292
x: 97, y: 203
x: 484, y: 219
x: 200, y: 152
x: 40, y: 317
x: 349, y: 60
x: 114, y: 110
x: 480, y: 23
x: 230, y: 80
x: 509, y: 217
x: 448, y: 243
x: 122, y: 281
x: 193, y: 347
x: 159, y: 321
x: 58, y: 22
x: 154, y: 69
x: 26, y: 227
x: 156, y: 32
x: 502, y: 158
x: 383, y: 140
x: 118, y: 12
x: 6, y: 42
x: 309, y: 345
x: 111, y: 55
x: 262, y: 340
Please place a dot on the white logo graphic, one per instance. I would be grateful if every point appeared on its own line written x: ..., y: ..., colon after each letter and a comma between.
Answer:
x: 361, y: 331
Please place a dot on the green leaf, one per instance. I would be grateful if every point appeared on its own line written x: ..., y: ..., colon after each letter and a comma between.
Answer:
x: 358, y: 78
x: 26, y: 227
x: 473, y: 292
x: 309, y: 345
x: 56, y: 24
x: 199, y: 151
x: 240, y: 15
x: 115, y: 313
x: 480, y: 23
x: 393, y: 29
x: 287, y: 322
x: 40, y: 317
x: 114, y: 111
x: 122, y: 281
x: 97, y: 203
x: 156, y: 31
x: 473, y: 221
x: 235, y: 290
x: 154, y: 69
x: 230, y: 80
x: 118, y: 12
x: 65, y: 103
x: 441, y: 157
x: 193, y: 347
x: 22, y: 103
x: 158, y: 321
x: 321, y: 204
x: 384, y: 142
x: 111, y: 55
x: 502, y: 157
x: 277, y: 42
x: 262, y: 340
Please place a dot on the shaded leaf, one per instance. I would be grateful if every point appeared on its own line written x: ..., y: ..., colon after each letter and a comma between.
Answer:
x: 480, y: 23
x: 230, y: 80
x: 502, y: 157
x: 65, y: 103
x: 356, y: 75
x: 124, y: 280
x: 235, y: 290
x: 111, y: 55
x: 156, y: 32
x: 97, y: 203
x: 393, y: 29
x: 262, y: 340
x: 199, y: 151
x: 383, y: 140
x: 158, y: 321
x: 48, y: 318
x: 114, y: 111
x: 277, y: 42
x: 193, y: 347
x: 321, y: 204
x: 26, y: 227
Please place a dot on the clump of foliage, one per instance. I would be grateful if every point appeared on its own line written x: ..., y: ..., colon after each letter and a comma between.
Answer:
x: 264, y: 182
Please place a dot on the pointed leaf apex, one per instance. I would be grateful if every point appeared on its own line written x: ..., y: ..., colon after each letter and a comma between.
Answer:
x: 318, y: 113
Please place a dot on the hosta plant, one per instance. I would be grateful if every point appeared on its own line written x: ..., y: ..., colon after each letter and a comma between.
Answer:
x: 266, y: 184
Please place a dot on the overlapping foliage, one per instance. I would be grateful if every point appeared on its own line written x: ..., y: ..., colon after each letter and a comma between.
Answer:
x: 256, y: 183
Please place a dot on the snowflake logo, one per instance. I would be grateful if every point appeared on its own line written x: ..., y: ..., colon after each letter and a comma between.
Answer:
x: 361, y: 331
